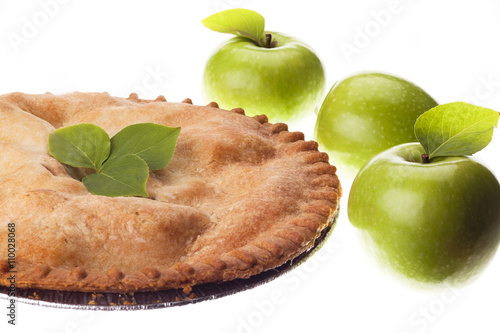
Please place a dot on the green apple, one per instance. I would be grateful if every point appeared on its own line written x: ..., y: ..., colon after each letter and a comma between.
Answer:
x: 273, y: 74
x: 367, y: 113
x: 432, y: 222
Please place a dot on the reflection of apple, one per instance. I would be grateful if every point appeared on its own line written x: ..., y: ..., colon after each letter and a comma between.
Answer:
x: 283, y: 81
x: 368, y: 113
x: 431, y: 222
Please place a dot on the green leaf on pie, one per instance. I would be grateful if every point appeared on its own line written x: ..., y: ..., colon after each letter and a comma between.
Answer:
x: 240, y: 22
x: 154, y: 143
x: 455, y: 129
x: 122, y: 176
x: 122, y: 164
x: 83, y: 145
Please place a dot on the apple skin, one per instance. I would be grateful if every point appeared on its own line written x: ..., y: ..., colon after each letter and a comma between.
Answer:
x: 285, y: 82
x: 367, y: 113
x: 434, y: 222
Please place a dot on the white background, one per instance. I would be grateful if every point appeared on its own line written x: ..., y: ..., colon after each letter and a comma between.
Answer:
x: 450, y: 48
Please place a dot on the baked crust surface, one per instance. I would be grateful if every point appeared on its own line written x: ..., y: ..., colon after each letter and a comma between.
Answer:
x: 239, y: 196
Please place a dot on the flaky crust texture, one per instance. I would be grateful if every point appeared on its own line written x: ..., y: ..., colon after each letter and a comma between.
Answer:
x: 239, y: 197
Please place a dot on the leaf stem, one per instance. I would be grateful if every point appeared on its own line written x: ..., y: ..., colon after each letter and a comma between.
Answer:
x: 425, y: 158
x: 252, y: 38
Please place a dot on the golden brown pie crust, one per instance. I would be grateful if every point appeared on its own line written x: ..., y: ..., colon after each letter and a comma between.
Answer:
x: 240, y: 196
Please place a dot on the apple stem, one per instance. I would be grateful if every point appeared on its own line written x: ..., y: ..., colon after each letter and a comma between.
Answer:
x: 425, y: 158
x: 268, y: 40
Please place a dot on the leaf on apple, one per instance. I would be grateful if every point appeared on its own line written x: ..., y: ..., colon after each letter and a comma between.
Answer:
x: 455, y: 129
x: 240, y: 22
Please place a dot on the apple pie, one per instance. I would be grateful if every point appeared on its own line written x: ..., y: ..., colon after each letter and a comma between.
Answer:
x: 240, y: 196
